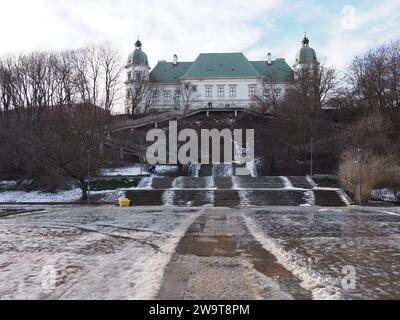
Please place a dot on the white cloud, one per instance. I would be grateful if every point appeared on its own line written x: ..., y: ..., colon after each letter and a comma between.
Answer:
x: 165, y: 27
x: 192, y: 26
x: 372, y: 25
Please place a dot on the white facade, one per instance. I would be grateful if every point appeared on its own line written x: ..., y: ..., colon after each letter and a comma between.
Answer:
x: 212, y: 81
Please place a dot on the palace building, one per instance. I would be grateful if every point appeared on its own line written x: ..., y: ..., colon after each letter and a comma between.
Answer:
x: 213, y: 80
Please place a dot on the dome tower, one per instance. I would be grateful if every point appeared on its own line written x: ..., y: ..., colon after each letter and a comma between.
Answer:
x: 306, y: 54
x: 137, y: 70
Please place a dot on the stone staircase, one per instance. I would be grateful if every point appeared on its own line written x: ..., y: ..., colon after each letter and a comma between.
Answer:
x: 300, y: 182
x: 162, y: 183
x: 206, y: 170
x: 268, y: 182
x: 223, y: 191
x: 330, y: 198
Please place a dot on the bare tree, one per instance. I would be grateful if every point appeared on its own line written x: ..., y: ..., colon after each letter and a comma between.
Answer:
x: 314, y: 85
x: 374, y: 79
x: 189, y: 95
x: 269, y: 99
x: 142, y: 94
x: 49, y: 117
x: 111, y: 73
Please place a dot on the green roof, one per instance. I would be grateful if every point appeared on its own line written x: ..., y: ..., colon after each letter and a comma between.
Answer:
x: 306, y: 54
x: 138, y: 57
x: 167, y: 72
x: 221, y: 65
x: 277, y: 71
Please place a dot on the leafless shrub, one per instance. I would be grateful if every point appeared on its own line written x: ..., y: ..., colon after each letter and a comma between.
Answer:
x: 361, y: 177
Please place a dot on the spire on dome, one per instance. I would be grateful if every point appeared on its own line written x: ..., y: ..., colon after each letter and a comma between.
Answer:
x: 138, y: 44
x: 305, y: 40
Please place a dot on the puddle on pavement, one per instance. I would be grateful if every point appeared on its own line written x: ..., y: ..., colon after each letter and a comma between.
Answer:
x: 196, y: 243
x: 209, y: 246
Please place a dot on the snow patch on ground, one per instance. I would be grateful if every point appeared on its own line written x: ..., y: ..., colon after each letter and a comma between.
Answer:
x: 195, y: 170
x: 243, y: 194
x: 235, y: 183
x: 251, y: 166
x: 311, y: 181
x: 61, y: 196
x: 145, y: 183
x: 312, y: 280
x: 385, y: 194
x: 210, y: 199
x: 345, y: 198
x: 210, y: 183
x: 177, y: 184
x: 137, y: 170
x: 168, y: 198
x: 37, y: 196
x: 309, y: 198
x: 287, y: 183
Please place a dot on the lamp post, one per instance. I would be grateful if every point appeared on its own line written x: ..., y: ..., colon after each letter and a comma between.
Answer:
x: 88, y: 176
x: 311, y: 155
x: 357, y: 160
x: 260, y: 161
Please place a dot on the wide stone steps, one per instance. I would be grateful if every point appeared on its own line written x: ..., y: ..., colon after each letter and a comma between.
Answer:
x: 231, y: 198
x: 234, y: 182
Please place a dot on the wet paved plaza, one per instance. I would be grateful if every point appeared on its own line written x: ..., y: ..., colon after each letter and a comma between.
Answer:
x: 181, y: 253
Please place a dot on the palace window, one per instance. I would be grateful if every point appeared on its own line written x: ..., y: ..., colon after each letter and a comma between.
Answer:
x: 221, y: 91
x: 138, y: 75
x: 177, y: 97
x: 252, y: 90
x: 156, y: 95
x: 129, y: 75
x: 128, y: 93
x: 167, y: 96
x: 189, y: 87
x: 209, y: 91
x: 232, y: 91
x: 278, y: 94
x: 266, y: 94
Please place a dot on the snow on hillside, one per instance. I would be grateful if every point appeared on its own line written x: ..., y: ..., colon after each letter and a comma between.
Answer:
x: 137, y: 170
x: 37, y: 196
x: 60, y: 196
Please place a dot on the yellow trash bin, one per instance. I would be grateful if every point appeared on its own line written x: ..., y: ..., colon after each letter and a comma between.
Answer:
x: 124, y: 202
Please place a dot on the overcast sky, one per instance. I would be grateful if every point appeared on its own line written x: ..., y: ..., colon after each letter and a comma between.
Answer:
x: 338, y: 30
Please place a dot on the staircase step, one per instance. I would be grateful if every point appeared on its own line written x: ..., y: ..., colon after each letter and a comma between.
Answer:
x: 300, y: 182
x: 223, y: 182
x: 162, y: 183
x: 246, y: 182
x: 328, y: 198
